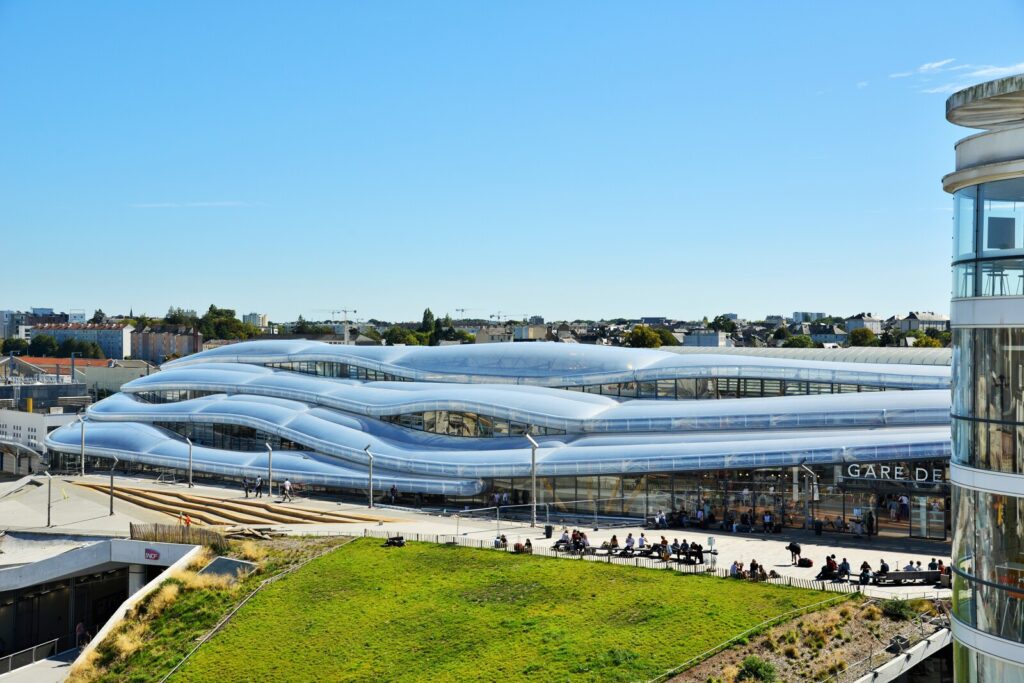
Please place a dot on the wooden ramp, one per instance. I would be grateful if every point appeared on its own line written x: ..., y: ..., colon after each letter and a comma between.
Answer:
x: 232, y: 511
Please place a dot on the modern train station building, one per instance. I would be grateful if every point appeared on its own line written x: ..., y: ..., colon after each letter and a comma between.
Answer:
x: 619, y: 432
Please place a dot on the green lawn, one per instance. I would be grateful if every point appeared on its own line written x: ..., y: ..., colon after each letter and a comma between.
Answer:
x: 441, y: 613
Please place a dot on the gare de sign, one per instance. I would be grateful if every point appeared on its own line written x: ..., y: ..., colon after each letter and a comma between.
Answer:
x: 895, y: 472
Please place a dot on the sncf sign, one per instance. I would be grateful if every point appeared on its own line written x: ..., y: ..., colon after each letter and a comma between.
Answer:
x: 152, y: 554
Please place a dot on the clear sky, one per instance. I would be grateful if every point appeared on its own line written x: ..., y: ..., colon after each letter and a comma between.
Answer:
x: 563, y: 159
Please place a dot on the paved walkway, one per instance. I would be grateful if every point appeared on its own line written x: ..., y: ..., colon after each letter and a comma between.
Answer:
x: 52, y: 670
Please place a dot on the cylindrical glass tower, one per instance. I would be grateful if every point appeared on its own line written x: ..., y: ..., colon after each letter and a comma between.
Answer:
x: 987, y: 315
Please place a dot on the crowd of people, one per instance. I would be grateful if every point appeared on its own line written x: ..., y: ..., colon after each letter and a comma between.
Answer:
x: 838, y: 571
x: 686, y: 552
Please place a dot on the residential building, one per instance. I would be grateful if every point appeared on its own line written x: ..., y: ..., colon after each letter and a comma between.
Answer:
x: 987, y: 471
x: 255, y: 319
x: 864, y: 320
x: 707, y: 338
x: 522, y: 333
x: 157, y: 343
x: 807, y: 316
x: 115, y: 339
x: 77, y: 315
x: 923, y: 321
x: 536, y: 320
x: 491, y: 335
x: 654, y: 321
x: 775, y: 320
x: 827, y: 334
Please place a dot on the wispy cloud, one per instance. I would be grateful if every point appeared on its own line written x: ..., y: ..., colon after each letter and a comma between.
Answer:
x: 957, y: 76
x: 926, y: 68
x: 189, y: 205
x: 862, y: 84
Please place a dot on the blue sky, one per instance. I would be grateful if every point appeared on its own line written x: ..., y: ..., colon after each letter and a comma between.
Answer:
x: 569, y: 160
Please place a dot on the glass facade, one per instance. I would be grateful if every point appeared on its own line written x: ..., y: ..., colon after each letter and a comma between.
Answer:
x: 988, y: 240
x: 230, y: 437
x: 170, y: 396
x: 683, y: 389
x: 988, y: 426
x: 321, y: 368
x: 460, y: 423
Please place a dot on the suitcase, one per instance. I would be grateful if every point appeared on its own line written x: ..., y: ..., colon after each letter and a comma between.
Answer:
x: 805, y: 562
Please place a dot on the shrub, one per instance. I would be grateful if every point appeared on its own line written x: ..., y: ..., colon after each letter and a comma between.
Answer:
x: 897, y: 610
x: 252, y: 551
x: 790, y: 652
x: 872, y: 613
x: 754, y: 668
x: 162, y: 599
x: 129, y: 639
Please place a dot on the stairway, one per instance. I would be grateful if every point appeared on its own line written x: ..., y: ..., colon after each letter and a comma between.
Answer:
x: 216, y: 511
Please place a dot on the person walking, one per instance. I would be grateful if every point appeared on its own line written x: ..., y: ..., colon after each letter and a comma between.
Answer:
x: 259, y: 487
x: 287, y: 491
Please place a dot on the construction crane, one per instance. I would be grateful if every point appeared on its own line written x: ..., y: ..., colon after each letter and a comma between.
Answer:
x: 344, y: 312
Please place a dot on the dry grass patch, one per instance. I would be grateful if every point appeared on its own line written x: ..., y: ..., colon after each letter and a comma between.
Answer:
x: 129, y: 639
x: 85, y: 669
x: 252, y: 551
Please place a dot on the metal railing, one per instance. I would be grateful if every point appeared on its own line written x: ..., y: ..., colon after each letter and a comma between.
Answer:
x: 30, y: 655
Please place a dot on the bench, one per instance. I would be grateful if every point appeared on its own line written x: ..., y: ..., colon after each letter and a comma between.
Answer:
x: 898, y: 577
x: 394, y: 542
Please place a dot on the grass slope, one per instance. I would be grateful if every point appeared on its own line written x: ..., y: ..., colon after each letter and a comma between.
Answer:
x: 444, y: 613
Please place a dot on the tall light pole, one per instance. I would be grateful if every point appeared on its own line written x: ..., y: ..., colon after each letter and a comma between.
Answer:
x: 112, y: 466
x: 369, y: 455
x: 49, y: 497
x: 270, y: 470
x: 533, y: 480
x: 189, y: 442
x: 73, y: 354
x: 81, y: 421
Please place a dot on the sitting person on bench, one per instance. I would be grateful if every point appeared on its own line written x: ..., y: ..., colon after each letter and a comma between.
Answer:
x: 829, y: 569
x: 612, y: 545
x: 843, y: 572
x: 630, y: 542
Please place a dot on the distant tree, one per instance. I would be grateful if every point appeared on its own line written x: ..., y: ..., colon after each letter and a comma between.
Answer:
x: 399, y: 335
x: 723, y: 324
x: 926, y: 342
x: 782, y: 334
x: 42, y: 345
x: 16, y: 345
x: 862, y: 336
x: 428, y: 321
x: 799, y: 341
x: 178, y: 316
x: 98, y: 317
x: 666, y: 336
x: 642, y: 337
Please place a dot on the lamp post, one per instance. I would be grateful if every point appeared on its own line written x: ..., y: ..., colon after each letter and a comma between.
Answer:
x: 112, y: 466
x: 73, y: 354
x: 814, y: 490
x: 81, y: 421
x: 533, y: 481
x: 189, y: 442
x: 270, y: 470
x: 369, y: 455
x: 49, y: 497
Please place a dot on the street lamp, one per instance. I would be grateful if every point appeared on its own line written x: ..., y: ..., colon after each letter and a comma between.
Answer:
x: 81, y: 421
x: 73, y: 354
x: 189, y: 442
x: 270, y: 469
x: 533, y: 481
x: 369, y: 455
x: 49, y: 498
x: 112, y: 466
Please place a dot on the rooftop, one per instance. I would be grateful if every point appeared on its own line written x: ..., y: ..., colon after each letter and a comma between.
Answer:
x: 993, y: 104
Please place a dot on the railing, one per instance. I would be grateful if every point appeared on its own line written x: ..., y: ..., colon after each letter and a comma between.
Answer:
x: 707, y: 569
x: 28, y: 656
